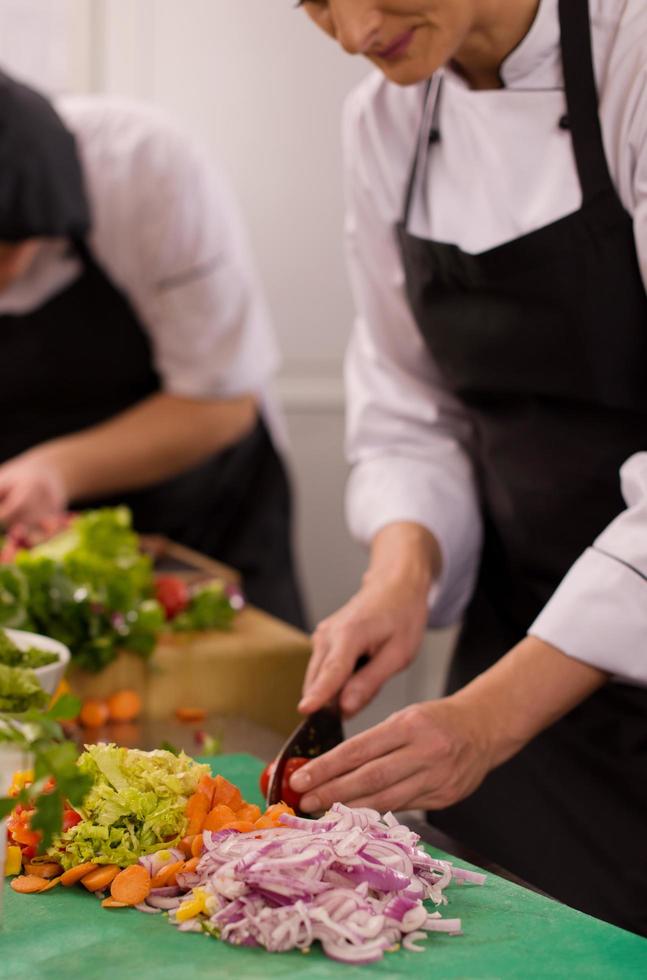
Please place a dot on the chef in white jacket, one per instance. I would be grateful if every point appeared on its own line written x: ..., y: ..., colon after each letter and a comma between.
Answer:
x: 136, y: 348
x: 496, y: 177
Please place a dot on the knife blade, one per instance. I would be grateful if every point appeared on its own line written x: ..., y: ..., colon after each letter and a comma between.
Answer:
x: 317, y: 734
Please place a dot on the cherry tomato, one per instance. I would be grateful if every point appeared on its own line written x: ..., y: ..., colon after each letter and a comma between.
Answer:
x: 173, y: 594
x: 266, y: 778
x: 288, y: 795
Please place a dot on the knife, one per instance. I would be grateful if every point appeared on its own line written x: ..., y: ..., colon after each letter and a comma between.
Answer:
x: 317, y: 734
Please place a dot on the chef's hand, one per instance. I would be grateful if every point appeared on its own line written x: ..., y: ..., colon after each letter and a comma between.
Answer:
x: 31, y: 487
x: 431, y: 755
x: 427, y: 756
x: 385, y: 620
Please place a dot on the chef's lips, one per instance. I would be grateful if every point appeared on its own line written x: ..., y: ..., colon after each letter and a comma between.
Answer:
x: 42, y: 193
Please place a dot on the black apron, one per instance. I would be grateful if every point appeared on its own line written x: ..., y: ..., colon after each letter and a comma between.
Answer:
x: 544, y: 342
x: 83, y: 357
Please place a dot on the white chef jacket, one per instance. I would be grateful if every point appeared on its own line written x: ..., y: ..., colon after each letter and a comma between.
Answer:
x: 502, y: 168
x: 166, y: 231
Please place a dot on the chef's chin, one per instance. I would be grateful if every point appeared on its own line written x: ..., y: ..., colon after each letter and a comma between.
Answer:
x: 405, y: 71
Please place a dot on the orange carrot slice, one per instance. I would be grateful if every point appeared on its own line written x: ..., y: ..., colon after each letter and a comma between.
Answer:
x: 166, y: 876
x: 51, y: 884
x: 98, y: 880
x: 206, y: 786
x: 109, y: 903
x: 190, y: 714
x: 249, y: 811
x: 70, y: 877
x: 124, y: 705
x: 225, y: 792
x: 190, y: 866
x: 185, y: 846
x: 264, y: 823
x: 46, y: 869
x: 218, y: 817
x: 94, y: 713
x: 28, y: 884
x: 196, y: 810
x: 196, y: 847
x: 242, y: 826
x: 131, y: 886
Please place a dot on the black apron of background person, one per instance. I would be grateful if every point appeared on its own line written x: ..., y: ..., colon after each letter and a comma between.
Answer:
x: 544, y: 341
x: 83, y: 357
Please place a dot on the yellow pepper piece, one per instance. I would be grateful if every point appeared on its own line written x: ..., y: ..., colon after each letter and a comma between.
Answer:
x: 13, y: 860
x: 189, y: 910
x: 20, y: 780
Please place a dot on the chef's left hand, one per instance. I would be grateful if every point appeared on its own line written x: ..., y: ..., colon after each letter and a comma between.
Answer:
x: 427, y: 756
x: 31, y: 487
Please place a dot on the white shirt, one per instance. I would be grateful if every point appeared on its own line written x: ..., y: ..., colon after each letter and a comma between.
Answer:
x: 502, y: 168
x: 166, y: 231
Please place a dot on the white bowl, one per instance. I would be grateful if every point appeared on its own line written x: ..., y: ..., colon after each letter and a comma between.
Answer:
x: 49, y: 676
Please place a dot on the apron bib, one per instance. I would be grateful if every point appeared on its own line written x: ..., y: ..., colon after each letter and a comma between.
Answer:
x: 544, y: 342
x: 82, y: 358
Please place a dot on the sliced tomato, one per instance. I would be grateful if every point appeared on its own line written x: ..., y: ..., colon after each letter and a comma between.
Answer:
x: 70, y: 819
x: 288, y: 795
x: 172, y: 593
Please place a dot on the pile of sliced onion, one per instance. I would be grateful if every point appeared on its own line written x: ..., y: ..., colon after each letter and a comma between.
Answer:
x: 354, y: 881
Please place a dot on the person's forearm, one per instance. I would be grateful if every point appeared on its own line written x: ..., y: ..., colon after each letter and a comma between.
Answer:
x: 156, y: 439
x: 405, y: 550
x: 529, y: 689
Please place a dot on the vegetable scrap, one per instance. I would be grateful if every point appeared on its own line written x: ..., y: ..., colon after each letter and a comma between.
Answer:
x: 91, y: 586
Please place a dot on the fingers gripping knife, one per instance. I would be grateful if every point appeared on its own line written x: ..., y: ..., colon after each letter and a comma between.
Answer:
x: 315, y: 735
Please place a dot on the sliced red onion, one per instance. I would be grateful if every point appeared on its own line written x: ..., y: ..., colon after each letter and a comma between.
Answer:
x: 163, y: 902
x: 353, y: 881
x: 143, y: 907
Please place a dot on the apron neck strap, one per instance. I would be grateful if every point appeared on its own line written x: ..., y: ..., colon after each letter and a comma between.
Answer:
x: 429, y: 119
x: 582, y: 98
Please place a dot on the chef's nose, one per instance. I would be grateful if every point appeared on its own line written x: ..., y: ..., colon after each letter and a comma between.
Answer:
x: 357, y: 24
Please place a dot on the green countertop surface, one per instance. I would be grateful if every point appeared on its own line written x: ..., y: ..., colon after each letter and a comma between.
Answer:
x: 507, y: 932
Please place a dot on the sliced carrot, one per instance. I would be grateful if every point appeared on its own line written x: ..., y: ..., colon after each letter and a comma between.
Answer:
x: 206, y: 786
x: 73, y: 875
x: 185, y: 846
x: 109, y: 903
x: 196, y: 847
x: 44, y: 869
x: 94, y: 713
x: 97, y: 881
x: 132, y: 885
x: 190, y: 714
x: 28, y: 884
x: 124, y: 705
x: 264, y: 823
x: 225, y: 792
x: 196, y: 810
x: 242, y: 826
x: 51, y: 884
x: 249, y: 811
x: 218, y: 817
x: 166, y: 875
x: 190, y: 866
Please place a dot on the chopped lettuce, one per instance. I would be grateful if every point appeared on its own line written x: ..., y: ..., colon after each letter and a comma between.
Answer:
x: 136, y: 805
x: 13, y: 656
x: 20, y: 690
x: 209, y: 608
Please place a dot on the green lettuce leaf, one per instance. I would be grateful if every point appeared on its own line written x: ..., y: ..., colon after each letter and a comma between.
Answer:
x: 20, y: 690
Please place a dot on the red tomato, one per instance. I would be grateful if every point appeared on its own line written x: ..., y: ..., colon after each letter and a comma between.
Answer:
x: 287, y: 793
x: 266, y: 778
x: 70, y: 819
x: 28, y: 853
x: 173, y: 594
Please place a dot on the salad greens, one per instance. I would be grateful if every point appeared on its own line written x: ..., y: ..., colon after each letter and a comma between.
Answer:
x: 13, y: 656
x: 20, y: 691
x: 56, y: 775
x: 93, y: 589
x: 136, y: 805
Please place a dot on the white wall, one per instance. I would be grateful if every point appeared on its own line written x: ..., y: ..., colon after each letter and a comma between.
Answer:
x: 47, y: 42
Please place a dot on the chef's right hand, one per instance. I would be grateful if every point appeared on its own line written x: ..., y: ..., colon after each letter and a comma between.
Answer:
x: 385, y: 621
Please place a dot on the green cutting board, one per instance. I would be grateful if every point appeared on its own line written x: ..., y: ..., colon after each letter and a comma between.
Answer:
x: 507, y: 932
